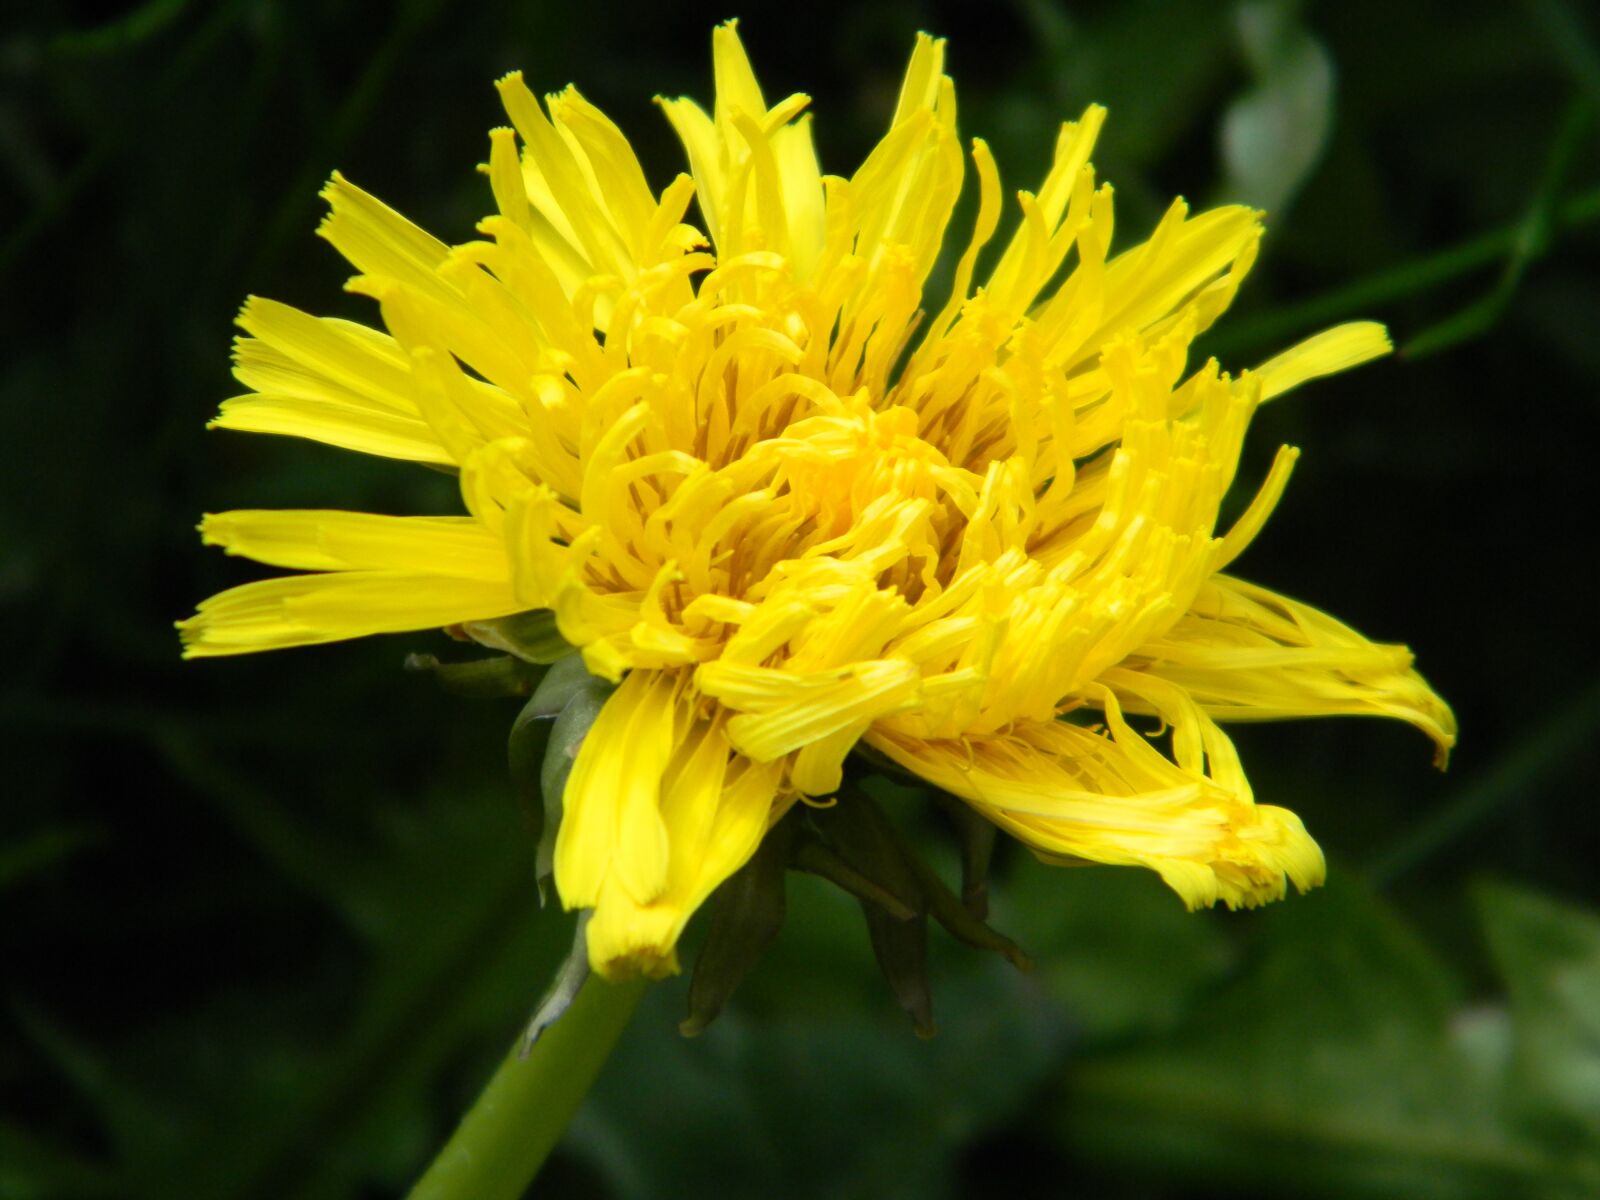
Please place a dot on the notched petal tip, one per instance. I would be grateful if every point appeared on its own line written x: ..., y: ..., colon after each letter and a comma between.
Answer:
x: 336, y: 183
x: 212, y: 529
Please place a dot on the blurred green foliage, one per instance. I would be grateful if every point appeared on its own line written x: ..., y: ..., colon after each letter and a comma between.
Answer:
x: 269, y: 922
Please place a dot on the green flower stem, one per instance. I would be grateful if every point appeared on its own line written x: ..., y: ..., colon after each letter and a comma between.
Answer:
x: 1286, y: 320
x: 505, y: 1138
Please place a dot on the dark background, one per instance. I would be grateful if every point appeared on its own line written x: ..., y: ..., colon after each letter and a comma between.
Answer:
x: 269, y: 921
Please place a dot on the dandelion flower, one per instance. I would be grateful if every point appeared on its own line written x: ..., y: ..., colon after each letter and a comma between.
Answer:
x: 792, y: 504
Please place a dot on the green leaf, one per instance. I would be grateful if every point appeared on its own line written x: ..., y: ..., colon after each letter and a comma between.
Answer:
x: 1549, y: 954
x: 1334, y: 1065
x: 463, y: 951
x: 33, y: 1169
x: 24, y: 857
x: 138, y: 1131
x: 819, y: 1095
x: 1112, y: 945
x: 1273, y: 136
x: 1532, y: 241
x: 121, y: 34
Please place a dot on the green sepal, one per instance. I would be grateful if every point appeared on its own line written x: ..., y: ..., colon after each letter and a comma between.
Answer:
x: 542, y: 746
x: 867, y: 840
x: 558, y: 997
x: 852, y: 844
x: 960, y: 923
x: 531, y: 636
x: 525, y: 751
x: 855, y: 827
x: 977, y: 838
x: 564, y: 679
x: 815, y: 858
x: 901, y: 948
x: 746, y: 913
x: 482, y: 678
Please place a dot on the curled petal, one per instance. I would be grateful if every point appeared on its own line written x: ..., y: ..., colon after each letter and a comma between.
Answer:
x: 1245, y: 653
x: 1074, y: 794
x: 659, y: 810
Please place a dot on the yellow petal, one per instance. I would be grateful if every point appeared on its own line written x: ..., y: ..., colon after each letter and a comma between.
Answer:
x: 659, y: 810
x: 612, y: 170
x: 305, y: 610
x: 701, y: 143
x: 736, y: 81
x: 626, y: 938
x: 378, y: 240
x: 1245, y: 653
x: 1075, y: 794
x: 320, y: 358
x: 611, y: 823
x: 782, y: 711
x: 802, y: 194
x: 324, y: 540
x: 1327, y: 353
x: 366, y: 429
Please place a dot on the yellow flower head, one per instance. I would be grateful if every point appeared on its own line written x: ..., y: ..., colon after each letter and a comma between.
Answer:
x: 793, y: 503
